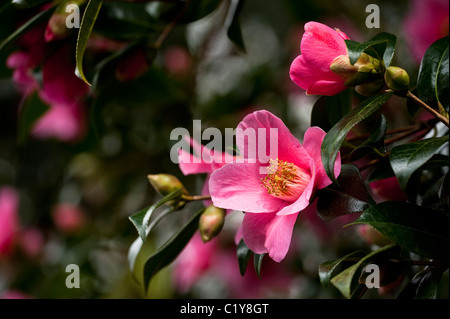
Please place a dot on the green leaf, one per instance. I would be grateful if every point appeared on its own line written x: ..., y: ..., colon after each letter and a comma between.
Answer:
x: 167, y: 253
x: 336, y: 135
x: 345, y: 280
x: 257, y: 262
x: 433, y: 79
x: 329, y: 268
x: 382, y: 47
x: 424, y: 285
x: 349, y: 195
x: 141, y: 218
x: 31, y: 23
x: 405, y: 159
x: 31, y: 111
x: 328, y: 110
x: 25, y: 4
x: 419, y: 230
x: 243, y: 256
x: 234, y: 31
x: 87, y: 23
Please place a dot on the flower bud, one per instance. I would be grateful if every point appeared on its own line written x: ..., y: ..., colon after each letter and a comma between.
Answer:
x: 396, y: 78
x: 56, y: 27
x: 211, y: 222
x: 165, y: 184
x: 364, y: 69
x: 370, y: 88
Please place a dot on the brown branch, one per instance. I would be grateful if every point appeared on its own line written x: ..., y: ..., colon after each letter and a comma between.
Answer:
x: 421, y: 103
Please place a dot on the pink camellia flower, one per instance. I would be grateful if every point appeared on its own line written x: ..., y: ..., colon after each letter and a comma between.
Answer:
x: 9, y: 221
x: 320, y: 46
x: 387, y: 189
x: 271, y: 195
x: 425, y: 23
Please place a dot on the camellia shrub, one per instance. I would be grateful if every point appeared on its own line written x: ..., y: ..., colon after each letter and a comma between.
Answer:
x: 113, y: 81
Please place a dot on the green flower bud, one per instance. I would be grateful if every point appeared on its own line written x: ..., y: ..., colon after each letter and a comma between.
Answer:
x: 211, y: 222
x: 165, y: 184
x: 396, y: 78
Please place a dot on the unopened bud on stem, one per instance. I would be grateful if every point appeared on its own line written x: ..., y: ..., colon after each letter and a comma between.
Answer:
x: 396, y: 78
x: 165, y: 184
x: 211, y: 222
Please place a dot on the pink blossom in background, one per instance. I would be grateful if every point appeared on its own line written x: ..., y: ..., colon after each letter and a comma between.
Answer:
x: 61, y: 90
x: 14, y: 294
x: 132, y: 65
x: 425, y: 23
x: 387, y: 189
x: 319, y: 46
x: 68, y: 217
x: 177, y: 60
x: 271, y: 201
x: 193, y: 262
x: 9, y: 219
x: 32, y: 241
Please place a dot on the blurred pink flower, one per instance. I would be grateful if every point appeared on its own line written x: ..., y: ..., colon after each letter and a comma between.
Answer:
x: 14, y: 294
x: 32, y: 241
x: 132, y: 65
x: 177, y: 60
x: 271, y: 201
x: 61, y: 90
x: 9, y: 219
x: 193, y: 262
x: 68, y: 217
x: 387, y: 189
x: 425, y: 23
x: 319, y: 46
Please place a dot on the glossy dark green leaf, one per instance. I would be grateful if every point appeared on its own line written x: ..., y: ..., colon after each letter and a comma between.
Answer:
x: 420, y: 230
x: 433, y: 79
x: 345, y: 281
x: 243, y: 256
x: 257, y: 262
x: 32, y: 109
x: 25, y: 4
x: 424, y: 285
x: 349, y: 195
x: 28, y: 25
x: 336, y: 135
x: 405, y: 159
x: 141, y: 218
x: 234, y: 31
x: 167, y: 253
x: 328, y: 110
x: 87, y: 23
x: 329, y: 268
x: 382, y: 47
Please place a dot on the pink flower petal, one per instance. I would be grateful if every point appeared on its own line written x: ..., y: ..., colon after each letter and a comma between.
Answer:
x: 237, y: 186
x: 268, y: 233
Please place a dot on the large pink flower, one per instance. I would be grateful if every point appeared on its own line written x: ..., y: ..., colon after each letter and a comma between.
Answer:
x: 320, y: 45
x: 9, y: 220
x: 271, y: 194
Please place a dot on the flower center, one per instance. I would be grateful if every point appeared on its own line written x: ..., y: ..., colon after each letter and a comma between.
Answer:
x: 285, y: 180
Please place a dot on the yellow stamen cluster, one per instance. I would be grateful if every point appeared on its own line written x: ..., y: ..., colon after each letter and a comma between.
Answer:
x: 285, y: 180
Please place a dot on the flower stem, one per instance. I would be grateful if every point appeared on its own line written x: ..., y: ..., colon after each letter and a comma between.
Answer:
x: 421, y: 103
x: 195, y: 197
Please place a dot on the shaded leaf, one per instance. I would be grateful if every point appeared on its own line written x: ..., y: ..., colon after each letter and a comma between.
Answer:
x: 345, y: 281
x: 25, y: 4
x: 141, y: 218
x: 167, y: 253
x: 28, y: 25
x: 243, y: 255
x: 433, y: 81
x: 382, y: 47
x: 87, y: 23
x: 234, y: 31
x: 257, y: 262
x: 405, y: 159
x: 328, y: 269
x: 336, y: 135
x: 424, y: 285
x: 328, y: 110
x: 31, y: 111
x: 417, y: 229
